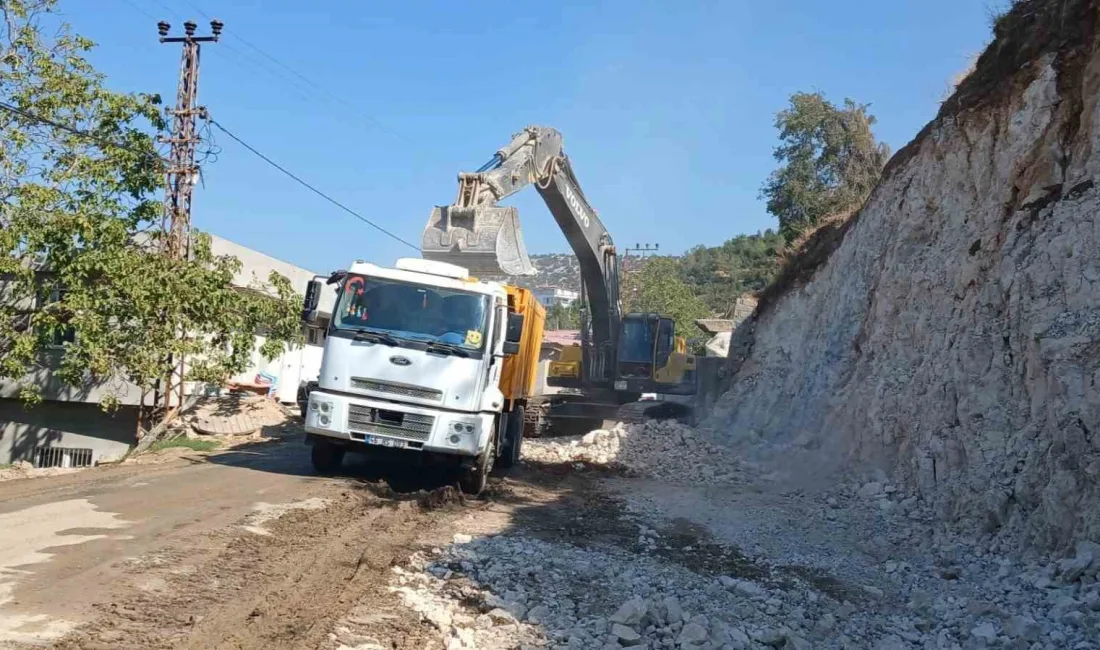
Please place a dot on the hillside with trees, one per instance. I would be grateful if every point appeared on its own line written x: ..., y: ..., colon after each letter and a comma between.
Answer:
x: 829, y: 161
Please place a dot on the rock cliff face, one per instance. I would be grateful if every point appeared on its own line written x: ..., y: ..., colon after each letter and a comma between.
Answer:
x: 953, y: 336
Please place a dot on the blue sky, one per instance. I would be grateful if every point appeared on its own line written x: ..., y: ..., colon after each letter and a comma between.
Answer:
x: 666, y: 107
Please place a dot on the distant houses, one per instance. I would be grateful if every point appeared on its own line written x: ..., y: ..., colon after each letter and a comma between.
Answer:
x: 555, y: 297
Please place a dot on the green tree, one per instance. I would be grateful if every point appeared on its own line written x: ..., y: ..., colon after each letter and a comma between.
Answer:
x: 79, y: 257
x: 829, y: 162
x: 560, y: 317
x: 743, y: 264
x: 655, y: 286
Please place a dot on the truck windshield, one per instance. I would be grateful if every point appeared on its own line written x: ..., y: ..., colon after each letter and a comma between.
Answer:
x: 412, y: 312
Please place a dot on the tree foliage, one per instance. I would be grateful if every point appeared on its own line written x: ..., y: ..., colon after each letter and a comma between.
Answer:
x: 829, y: 162
x: 656, y: 286
x: 79, y: 257
x: 560, y: 317
x: 743, y: 264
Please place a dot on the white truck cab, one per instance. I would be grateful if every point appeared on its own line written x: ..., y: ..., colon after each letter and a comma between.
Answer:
x: 412, y: 361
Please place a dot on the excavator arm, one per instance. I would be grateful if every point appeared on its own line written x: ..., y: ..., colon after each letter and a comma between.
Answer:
x: 478, y: 234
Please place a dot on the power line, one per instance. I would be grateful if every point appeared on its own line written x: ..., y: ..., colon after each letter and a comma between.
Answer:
x: 77, y: 132
x: 331, y: 95
x: 253, y: 65
x: 312, y: 188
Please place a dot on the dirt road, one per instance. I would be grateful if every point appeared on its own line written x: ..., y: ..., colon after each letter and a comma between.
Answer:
x: 240, y: 549
x: 591, y: 544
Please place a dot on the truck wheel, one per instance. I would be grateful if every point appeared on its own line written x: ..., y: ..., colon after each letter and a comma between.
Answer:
x: 513, y: 439
x: 326, y: 457
x: 474, y: 479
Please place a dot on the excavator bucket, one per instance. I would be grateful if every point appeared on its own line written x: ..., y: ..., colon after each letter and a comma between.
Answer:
x: 487, y: 241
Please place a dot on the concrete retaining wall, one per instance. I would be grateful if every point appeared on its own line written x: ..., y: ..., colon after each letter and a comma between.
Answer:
x: 64, y: 424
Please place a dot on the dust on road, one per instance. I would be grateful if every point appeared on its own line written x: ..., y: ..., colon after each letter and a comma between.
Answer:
x: 243, y: 549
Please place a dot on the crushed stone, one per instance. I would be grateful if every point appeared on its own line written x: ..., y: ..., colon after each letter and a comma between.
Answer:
x: 861, y: 563
x: 664, y: 450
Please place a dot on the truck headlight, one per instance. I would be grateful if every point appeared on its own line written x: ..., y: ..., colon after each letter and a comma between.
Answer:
x: 322, y: 410
x: 464, y: 427
x: 457, y: 430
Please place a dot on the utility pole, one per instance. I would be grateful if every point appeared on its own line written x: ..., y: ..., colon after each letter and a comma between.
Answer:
x: 637, y: 248
x: 182, y: 171
x: 180, y: 178
x: 640, y: 248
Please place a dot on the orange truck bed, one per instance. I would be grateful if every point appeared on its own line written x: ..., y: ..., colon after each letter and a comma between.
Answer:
x: 520, y: 371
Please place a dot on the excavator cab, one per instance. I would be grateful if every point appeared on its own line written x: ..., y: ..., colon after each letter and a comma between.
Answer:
x: 652, y: 359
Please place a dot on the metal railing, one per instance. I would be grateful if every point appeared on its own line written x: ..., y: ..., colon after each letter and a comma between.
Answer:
x: 62, y: 457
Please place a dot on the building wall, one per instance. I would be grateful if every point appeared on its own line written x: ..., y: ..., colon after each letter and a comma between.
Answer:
x: 64, y: 424
x: 550, y: 297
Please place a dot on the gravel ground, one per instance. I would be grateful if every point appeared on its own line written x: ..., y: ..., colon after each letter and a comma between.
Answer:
x: 692, y: 549
x: 662, y: 450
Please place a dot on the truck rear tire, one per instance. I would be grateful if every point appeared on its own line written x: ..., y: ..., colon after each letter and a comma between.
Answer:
x: 327, y: 457
x: 513, y: 439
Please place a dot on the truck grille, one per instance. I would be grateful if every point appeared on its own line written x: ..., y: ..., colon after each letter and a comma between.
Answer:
x: 396, y: 388
x: 383, y: 422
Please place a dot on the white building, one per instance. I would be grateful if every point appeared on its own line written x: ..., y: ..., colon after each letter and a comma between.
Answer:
x: 551, y: 296
x: 71, y: 418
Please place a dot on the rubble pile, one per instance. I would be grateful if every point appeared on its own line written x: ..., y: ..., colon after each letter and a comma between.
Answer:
x: 25, y: 469
x: 665, y: 450
x: 968, y: 592
x: 532, y: 593
x: 906, y: 581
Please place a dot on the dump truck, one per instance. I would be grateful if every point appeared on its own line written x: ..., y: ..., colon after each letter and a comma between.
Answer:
x: 424, y: 362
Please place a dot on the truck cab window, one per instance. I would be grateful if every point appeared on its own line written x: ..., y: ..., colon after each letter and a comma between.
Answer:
x: 413, y: 312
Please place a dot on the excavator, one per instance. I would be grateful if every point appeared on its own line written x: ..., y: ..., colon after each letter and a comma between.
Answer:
x: 621, y: 355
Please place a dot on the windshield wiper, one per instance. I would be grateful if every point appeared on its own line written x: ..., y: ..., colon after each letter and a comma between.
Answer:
x: 375, y: 337
x: 447, y: 348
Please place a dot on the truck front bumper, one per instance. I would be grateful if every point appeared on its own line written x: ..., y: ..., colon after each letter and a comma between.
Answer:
x: 391, y: 424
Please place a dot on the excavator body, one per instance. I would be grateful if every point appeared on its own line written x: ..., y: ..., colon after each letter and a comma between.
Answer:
x: 621, y: 356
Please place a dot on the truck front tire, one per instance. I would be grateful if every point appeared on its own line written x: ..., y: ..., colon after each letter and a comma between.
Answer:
x: 476, y: 477
x: 326, y: 456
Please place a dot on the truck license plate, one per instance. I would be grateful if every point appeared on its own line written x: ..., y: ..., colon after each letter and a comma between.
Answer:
x: 620, y: 385
x: 386, y: 442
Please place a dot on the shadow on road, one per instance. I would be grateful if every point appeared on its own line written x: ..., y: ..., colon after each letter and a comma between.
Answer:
x: 291, y: 456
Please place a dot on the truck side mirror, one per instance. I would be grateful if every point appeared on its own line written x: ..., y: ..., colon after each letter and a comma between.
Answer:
x: 310, y: 302
x: 513, y: 334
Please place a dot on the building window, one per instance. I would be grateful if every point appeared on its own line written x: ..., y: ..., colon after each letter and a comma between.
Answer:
x: 315, y: 336
x: 66, y: 334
